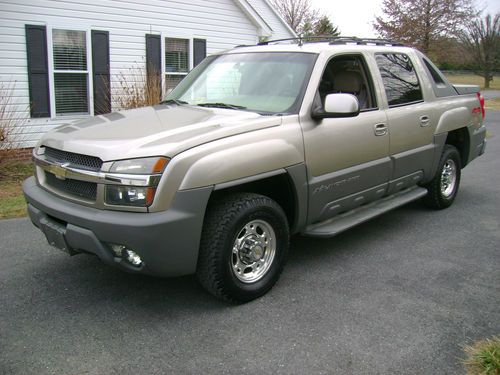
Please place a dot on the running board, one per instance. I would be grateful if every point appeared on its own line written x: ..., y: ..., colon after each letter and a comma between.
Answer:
x: 342, y: 222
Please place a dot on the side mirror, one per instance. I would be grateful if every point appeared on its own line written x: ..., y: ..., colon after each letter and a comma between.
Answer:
x: 337, y: 105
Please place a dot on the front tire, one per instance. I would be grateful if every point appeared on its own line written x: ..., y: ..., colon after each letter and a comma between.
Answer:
x: 443, y: 188
x: 243, y: 248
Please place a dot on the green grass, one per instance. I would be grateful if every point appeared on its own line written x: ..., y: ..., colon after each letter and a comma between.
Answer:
x: 483, y: 357
x: 472, y: 79
x: 12, y: 202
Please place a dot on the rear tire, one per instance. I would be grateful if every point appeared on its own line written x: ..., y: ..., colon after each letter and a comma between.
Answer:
x: 243, y: 248
x: 443, y: 188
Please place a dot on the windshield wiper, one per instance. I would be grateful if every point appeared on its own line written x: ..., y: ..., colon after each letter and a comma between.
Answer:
x: 173, y: 101
x: 222, y: 105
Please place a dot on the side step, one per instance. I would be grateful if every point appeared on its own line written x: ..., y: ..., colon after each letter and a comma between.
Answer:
x: 342, y: 222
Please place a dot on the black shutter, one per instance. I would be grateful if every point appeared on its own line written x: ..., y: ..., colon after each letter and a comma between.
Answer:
x: 38, y: 70
x: 100, y: 69
x: 153, y: 59
x: 200, y: 51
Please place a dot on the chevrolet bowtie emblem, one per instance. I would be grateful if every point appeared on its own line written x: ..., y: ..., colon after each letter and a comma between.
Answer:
x: 59, y: 170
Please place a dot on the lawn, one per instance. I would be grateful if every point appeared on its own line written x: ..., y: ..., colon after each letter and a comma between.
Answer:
x: 472, y: 79
x: 12, y: 202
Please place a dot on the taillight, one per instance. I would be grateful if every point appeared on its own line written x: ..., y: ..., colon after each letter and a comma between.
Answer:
x: 481, y: 102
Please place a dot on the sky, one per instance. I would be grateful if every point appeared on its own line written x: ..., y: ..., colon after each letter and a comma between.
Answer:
x: 355, y: 17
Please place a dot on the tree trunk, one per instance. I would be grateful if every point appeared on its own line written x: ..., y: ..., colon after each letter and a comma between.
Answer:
x: 487, y: 81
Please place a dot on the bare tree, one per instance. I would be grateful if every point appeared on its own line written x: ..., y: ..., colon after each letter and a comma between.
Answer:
x: 421, y: 22
x: 481, y: 39
x: 300, y: 15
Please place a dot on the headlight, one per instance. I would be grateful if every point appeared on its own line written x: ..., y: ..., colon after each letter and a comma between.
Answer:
x: 130, y: 195
x: 140, y: 166
x: 142, y: 175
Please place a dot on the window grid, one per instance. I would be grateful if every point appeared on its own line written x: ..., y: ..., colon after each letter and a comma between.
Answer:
x: 70, y: 72
x: 177, y: 59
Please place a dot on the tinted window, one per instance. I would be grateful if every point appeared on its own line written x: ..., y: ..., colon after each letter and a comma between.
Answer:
x: 434, y: 74
x: 399, y: 77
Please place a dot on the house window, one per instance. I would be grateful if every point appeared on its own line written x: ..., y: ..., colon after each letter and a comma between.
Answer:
x: 71, y: 91
x: 176, y: 61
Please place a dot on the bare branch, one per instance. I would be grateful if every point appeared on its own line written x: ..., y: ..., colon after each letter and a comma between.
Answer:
x: 481, y: 38
x: 303, y: 18
x: 420, y: 23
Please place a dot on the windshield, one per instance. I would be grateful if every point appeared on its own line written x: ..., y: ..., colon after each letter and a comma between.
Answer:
x: 267, y: 83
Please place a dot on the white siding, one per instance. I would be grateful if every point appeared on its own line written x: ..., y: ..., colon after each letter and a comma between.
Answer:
x: 280, y: 29
x: 221, y: 22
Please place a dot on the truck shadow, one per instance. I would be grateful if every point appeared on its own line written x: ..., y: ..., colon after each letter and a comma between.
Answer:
x: 85, y: 278
x: 83, y: 283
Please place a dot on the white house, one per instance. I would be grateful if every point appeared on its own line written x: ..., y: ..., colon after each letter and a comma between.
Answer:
x: 62, y: 58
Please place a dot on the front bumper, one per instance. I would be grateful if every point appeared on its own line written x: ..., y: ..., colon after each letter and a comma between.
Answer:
x: 167, y: 242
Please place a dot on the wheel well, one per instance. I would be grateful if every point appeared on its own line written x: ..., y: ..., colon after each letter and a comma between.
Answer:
x: 279, y: 188
x: 461, y: 140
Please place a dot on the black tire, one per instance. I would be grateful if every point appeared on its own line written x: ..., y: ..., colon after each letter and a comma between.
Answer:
x: 436, y: 198
x: 220, y: 271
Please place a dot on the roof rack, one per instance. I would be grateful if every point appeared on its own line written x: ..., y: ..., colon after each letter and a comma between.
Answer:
x: 333, y: 40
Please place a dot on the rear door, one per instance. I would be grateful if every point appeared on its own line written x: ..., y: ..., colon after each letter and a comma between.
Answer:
x: 411, y: 120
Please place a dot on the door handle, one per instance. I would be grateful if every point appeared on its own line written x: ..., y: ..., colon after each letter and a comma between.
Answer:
x: 424, y: 120
x: 380, y: 129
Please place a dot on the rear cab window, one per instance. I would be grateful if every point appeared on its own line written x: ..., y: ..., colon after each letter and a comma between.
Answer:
x: 440, y: 84
x: 400, y: 80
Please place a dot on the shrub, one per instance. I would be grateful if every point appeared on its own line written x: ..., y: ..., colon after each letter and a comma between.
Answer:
x: 9, y: 120
x: 483, y: 357
x: 136, y: 88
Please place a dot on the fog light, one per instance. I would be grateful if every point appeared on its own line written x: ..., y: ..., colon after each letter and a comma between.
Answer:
x: 133, y: 257
x: 117, y: 249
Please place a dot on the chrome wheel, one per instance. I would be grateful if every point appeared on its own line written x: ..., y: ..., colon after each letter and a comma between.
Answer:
x: 448, y: 178
x: 253, y: 251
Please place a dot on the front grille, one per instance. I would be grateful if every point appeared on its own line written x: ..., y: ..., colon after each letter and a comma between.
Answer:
x: 87, y: 162
x: 80, y: 189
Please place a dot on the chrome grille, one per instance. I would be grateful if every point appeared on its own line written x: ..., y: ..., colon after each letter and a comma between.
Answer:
x: 79, y: 189
x: 87, y: 162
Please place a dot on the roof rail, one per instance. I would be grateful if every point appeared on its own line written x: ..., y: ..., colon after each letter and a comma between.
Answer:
x: 334, y: 40
x: 366, y: 41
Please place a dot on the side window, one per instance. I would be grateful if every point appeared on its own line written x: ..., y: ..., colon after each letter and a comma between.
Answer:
x: 433, y: 73
x: 348, y: 74
x: 400, y: 79
x: 440, y: 84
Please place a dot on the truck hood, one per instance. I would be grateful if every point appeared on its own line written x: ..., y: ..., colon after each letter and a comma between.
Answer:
x: 153, y: 131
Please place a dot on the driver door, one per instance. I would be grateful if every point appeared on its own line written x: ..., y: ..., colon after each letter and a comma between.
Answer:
x: 347, y: 158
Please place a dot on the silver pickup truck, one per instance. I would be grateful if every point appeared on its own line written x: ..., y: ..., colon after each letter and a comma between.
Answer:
x: 255, y: 144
